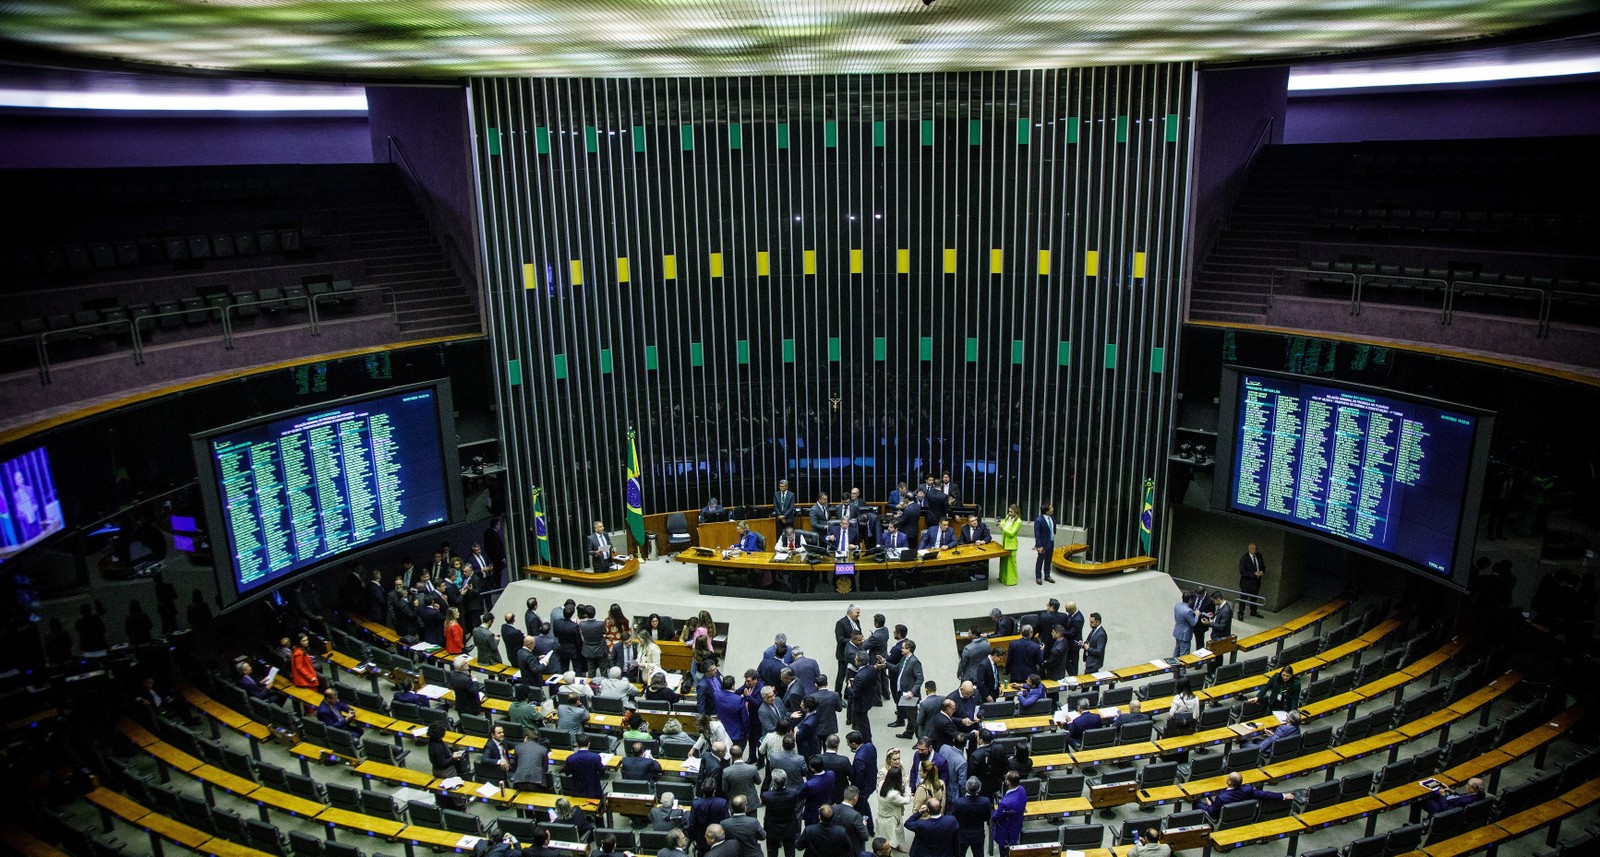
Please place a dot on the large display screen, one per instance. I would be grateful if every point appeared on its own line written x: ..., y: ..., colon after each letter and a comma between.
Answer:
x: 290, y: 491
x: 30, y: 511
x: 1391, y: 475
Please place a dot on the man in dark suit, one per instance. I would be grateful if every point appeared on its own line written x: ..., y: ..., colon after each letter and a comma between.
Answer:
x: 927, y: 710
x: 1252, y: 566
x: 472, y: 604
x: 742, y: 828
x: 940, y: 538
x: 1087, y: 719
x: 783, y: 505
x: 584, y: 770
x: 1094, y: 646
x: 1024, y: 656
x: 466, y: 690
x: 1055, y: 654
x: 782, y: 819
x: 567, y: 640
x: 819, y: 515
x: 1044, y: 543
x: 989, y: 763
x: 847, y: 817
x: 511, y: 637
x: 843, y: 535
x: 975, y: 532
x: 935, y: 832
x: 496, y: 751
x: 1237, y: 791
x: 1072, y: 623
x: 907, y: 688
x: 936, y: 506
x: 893, y: 537
x: 823, y: 838
x: 1444, y: 799
x: 988, y: 681
x: 818, y: 789
x: 971, y: 810
x: 942, y: 728
x: 599, y: 543
x: 864, y: 694
x: 853, y: 505
x: 718, y: 844
x: 863, y: 762
x: 844, y: 630
x: 950, y: 490
x: 828, y: 706
x: 973, y: 655
x: 837, y: 764
x: 530, y: 772
x: 637, y: 766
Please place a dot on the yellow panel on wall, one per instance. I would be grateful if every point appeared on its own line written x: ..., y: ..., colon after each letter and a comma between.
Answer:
x: 949, y: 260
x: 1091, y: 263
x: 577, y: 272
x: 716, y: 265
x: 1044, y: 263
x: 528, y: 281
x: 669, y: 267
x: 902, y: 261
x: 997, y: 261
x: 763, y: 263
x: 857, y: 263
x: 809, y: 262
x: 622, y: 269
x: 1138, y: 266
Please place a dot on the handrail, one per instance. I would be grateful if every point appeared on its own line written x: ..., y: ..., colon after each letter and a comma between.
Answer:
x: 1235, y: 187
x: 454, y: 257
x: 1238, y: 594
x: 1272, y: 285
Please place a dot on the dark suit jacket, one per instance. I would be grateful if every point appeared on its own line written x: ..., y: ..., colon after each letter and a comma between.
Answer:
x: 1073, y: 622
x: 937, y: 537
x: 640, y: 768
x: 1094, y: 657
x: 842, y: 631
x: 828, y: 707
x: 1242, y: 793
x: 987, y: 680
x: 825, y: 840
x: 1055, y: 659
x: 746, y: 831
x: 1247, y: 570
x: 864, y: 769
x: 1043, y: 534
x: 1023, y: 657
x: 928, y: 715
x: 864, y: 690
x: 970, y: 536
x: 942, y: 730
x: 853, y: 823
x: 782, y: 815
x: 838, y: 765
x: 566, y: 632
x: 935, y: 836
x: 511, y: 636
x: 493, y: 752
x: 972, y: 814
x: 586, y: 770
x: 466, y: 689
x: 817, y: 790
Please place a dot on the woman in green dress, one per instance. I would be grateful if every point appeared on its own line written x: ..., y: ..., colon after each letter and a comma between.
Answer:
x: 1009, y: 527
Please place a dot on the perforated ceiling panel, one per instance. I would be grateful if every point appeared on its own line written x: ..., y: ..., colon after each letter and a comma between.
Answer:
x: 671, y: 38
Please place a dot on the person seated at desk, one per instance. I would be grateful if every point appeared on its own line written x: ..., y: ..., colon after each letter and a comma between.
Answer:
x: 337, y: 714
x: 942, y: 538
x: 638, y: 764
x: 1443, y: 799
x: 659, y: 692
x: 615, y: 686
x: 1282, y: 691
x: 713, y: 512
x: 1288, y: 729
x: 842, y: 535
x: 571, y: 713
x: 975, y: 532
x: 747, y: 541
x: 1134, y: 714
x: 894, y: 540
x: 791, y: 541
x: 255, y: 689
x: 899, y: 497
x: 1004, y: 626
x: 1087, y: 719
x: 1235, y: 792
x: 1032, y: 691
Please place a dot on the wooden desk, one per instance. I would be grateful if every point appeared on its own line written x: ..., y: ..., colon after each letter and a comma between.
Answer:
x: 586, y: 576
x: 219, y: 847
x: 1249, y: 834
x: 1341, y: 812
x: 747, y: 567
x: 361, y: 823
x: 174, y: 831
x: 26, y: 844
x: 394, y: 774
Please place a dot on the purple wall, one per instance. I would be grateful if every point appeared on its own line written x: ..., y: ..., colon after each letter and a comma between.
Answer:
x: 430, y: 124
x: 1500, y: 110
x: 1232, y: 109
x: 93, y: 138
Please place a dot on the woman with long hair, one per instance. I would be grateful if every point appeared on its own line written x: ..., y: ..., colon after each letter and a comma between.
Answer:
x: 455, y: 637
x: 618, y: 628
x: 930, y: 787
x: 889, y: 814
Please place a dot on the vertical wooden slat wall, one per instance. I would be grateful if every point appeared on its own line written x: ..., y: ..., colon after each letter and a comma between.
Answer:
x: 845, y: 280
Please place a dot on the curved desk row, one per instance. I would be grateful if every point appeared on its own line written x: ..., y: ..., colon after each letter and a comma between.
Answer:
x: 761, y: 575
x: 585, y: 576
x: 1062, y: 561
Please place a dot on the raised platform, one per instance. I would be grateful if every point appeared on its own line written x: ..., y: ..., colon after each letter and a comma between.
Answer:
x: 760, y: 575
x: 585, y: 577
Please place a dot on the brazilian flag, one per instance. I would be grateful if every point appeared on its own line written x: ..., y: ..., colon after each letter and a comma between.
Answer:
x: 541, y: 530
x: 633, y: 493
x: 1147, y: 514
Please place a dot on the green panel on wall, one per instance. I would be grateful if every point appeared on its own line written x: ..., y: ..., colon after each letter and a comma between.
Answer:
x: 651, y: 361
x: 788, y: 351
x: 1158, y: 360
x: 638, y: 138
x: 1017, y: 350
x: 558, y: 365
x: 925, y: 348
x: 783, y: 135
x: 735, y: 135
x: 697, y: 354
x: 975, y: 132
x: 493, y: 138
x: 591, y: 139
x: 830, y: 134
x: 1111, y: 355
x: 742, y: 351
x: 927, y: 132
x: 514, y: 371
x: 880, y: 348
x: 541, y: 140
x: 1122, y: 129
x: 835, y: 349
x: 880, y: 133
x: 972, y: 349
x: 686, y: 135
x: 605, y: 361
x: 1024, y: 131
x: 1072, y: 129
x: 1064, y: 353
x: 1172, y: 127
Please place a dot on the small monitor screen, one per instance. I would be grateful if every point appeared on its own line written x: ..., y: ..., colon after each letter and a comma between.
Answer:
x: 296, y: 490
x: 184, y: 524
x: 30, y: 510
x: 183, y: 543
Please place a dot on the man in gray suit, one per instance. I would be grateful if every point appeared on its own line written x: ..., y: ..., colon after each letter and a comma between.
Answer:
x: 485, y: 642
x: 973, y: 657
x: 926, y: 709
x: 743, y: 829
x: 907, y: 687
x: 847, y: 816
x: 531, y: 772
x: 1183, y: 622
x: 740, y: 778
x: 787, y: 760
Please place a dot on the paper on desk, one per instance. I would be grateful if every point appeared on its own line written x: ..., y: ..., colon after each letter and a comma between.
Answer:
x: 1201, y: 653
x: 467, y: 843
x: 488, y: 790
x: 1283, y: 716
x: 1107, y: 675
x: 690, y: 765
x: 607, y: 758
x: 1062, y: 715
x: 1072, y: 854
x: 1108, y: 713
x: 1159, y: 663
x: 423, y: 647
x: 995, y: 725
x: 433, y: 691
x: 452, y: 783
x: 420, y: 732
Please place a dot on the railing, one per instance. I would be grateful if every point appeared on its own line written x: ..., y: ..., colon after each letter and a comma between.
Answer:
x: 1235, y: 186
x: 223, y: 313
x: 1449, y: 289
x: 1237, y: 595
x: 455, y: 258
